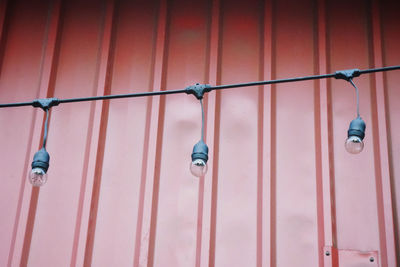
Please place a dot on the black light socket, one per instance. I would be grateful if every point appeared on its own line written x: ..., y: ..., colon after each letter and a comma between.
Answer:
x: 357, y: 128
x: 347, y: 74
x: 45, y: 103
x: 41, y: 160
x: 198, y: 90
x: 200, y: 151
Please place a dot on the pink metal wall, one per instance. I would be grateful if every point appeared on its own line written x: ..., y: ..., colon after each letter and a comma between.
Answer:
x: 280, y: 191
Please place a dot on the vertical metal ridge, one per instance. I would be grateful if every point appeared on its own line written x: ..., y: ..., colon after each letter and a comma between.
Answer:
x: 328, y: 162
x: 214, y: 192
x: 29, y: 226
x: 273, y: 178
x: 325, y: 188
x: 46, y: 76
x: 139, y: 225
x: 91, y: 229
x: 267, y: 135
x: 319, y: 29
x: 206, y: 232
x: 201, y: 189
x: 330, y: 184
x: 260, y: 191
x: 318, y: 170
x: 94, y: 150
x: 24, y: 195
x: 156, y: 80
x: 260, y: 137
x: 215, y: 56
x: 4, y: 21
x: 51, y: 48
x: 378, y: 177
x: 159, y: 115
x: 381, y: 147
x: 156, y: 184
x: 383, y: 106
x: 140, y: 236
x: 3, y: 17
x: 272, y: 199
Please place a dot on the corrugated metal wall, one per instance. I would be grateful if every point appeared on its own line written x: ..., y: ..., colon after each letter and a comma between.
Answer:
x: 280, y: 191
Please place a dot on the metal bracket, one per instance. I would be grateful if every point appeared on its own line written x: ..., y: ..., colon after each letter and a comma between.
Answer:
x: 350, y: 257
x: 347, y: 74
x: 198, y: 90
x: 45, y: 103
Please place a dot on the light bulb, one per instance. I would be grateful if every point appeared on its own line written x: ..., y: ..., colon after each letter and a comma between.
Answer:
x: 38, y: 177
x: 354, y: 144
x: 198, y: 167
x: 40, y: 165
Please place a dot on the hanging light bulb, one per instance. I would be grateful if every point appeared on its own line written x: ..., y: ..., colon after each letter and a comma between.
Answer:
x: 41, y: 159
x: 198, y: 166
x: 40, y: 165
x: 354, y: 143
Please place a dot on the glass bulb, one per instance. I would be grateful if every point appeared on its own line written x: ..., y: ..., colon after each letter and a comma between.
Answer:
x: 198, y: 167
x: 38, y: 177
x: 354, y: 144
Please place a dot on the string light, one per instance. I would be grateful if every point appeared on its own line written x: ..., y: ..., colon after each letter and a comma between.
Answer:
x: 353, y: 144
x: 355, y: 135
x: 198, y: 166
x: 41, y: 159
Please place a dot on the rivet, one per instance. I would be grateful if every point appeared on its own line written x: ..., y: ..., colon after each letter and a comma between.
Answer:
x: 327, y: 253
x: 371, y: 259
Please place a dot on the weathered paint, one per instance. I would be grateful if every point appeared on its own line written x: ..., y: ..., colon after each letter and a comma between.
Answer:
x: 280, y: 190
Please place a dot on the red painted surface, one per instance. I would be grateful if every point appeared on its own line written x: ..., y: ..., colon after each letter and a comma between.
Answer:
x: 280, y: 190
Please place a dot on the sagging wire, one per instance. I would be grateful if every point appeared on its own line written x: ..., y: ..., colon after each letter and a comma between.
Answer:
x: 209, y: 88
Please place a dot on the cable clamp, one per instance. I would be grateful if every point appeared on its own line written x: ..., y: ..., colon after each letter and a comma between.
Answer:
x: 45, y: 103
x: 198, y: 90
x: 347, y: 74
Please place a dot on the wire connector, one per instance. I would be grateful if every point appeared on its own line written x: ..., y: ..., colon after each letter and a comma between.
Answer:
x: 45, y: 103
x: 347, y: 74
x: 198, y: 90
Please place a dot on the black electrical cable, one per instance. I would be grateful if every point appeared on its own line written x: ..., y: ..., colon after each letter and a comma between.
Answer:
x: 167, y: 92
x: 298, y: 79
x: 357, y: 96
x: 16, y: 104
x: 380, y: 69
x: 46, y: 123
x: 217, y: 87
x: 202, y: 120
